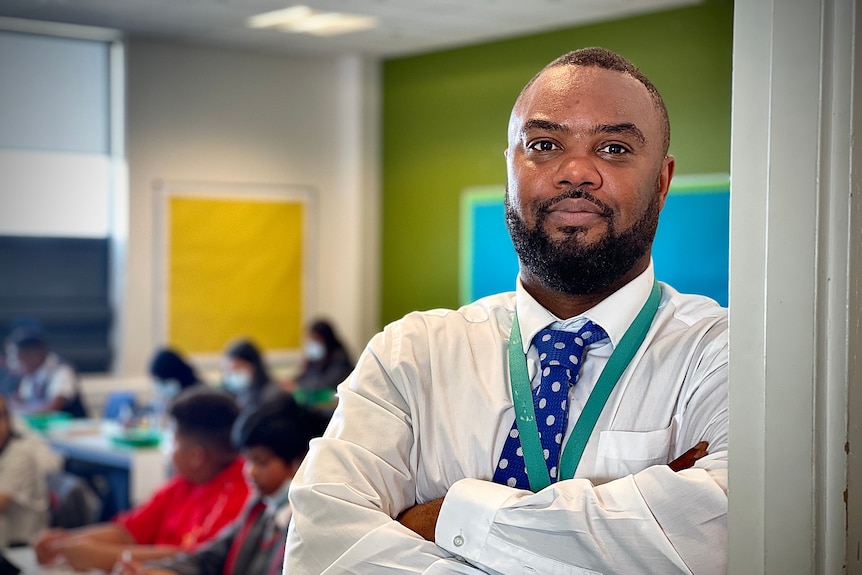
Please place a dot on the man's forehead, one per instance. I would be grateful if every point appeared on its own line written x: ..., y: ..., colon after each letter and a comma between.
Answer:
x: 565, y: 81
x: 556, y: 88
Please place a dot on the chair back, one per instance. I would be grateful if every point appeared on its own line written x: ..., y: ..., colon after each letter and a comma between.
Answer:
x: 119, y: 403
x: 73, y: 503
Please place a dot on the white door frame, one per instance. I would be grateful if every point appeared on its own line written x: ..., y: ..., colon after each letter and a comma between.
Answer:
x: 795, y: 292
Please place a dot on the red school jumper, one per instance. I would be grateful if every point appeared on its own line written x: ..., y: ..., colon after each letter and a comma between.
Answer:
x: 186, y: 514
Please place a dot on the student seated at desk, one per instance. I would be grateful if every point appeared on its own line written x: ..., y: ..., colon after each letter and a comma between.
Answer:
x: 246, y: 376
x: 48, y: 383
x: 325, y: 364
x: 171, y: 374
x: 274, y: 439
x: 25, y: 461
x: 189, y: 510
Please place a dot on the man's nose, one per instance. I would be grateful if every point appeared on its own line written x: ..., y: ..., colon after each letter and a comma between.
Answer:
x: 579, y: 170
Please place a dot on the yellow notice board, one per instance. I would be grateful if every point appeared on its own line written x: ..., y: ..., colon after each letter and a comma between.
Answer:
x: 234, y: 267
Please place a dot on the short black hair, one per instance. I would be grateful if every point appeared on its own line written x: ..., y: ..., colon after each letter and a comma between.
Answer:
x: 326, y: 331
x: 280, y: 424
x: 169, y: 364
x: 206, y: 415
x: 24, y: 338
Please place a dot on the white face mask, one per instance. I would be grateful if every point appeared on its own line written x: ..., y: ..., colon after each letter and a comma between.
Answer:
x: 167, y: 388
x: 237, y: 380
x: 314, y: 350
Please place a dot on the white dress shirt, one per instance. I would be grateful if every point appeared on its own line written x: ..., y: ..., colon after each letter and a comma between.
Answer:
x: 53, y: 379
x: 427, y: 410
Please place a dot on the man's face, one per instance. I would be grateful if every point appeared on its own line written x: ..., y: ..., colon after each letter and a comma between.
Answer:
x: 587, y: 178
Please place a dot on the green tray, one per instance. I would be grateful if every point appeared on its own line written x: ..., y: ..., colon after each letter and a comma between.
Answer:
x: 44, y: 421
x: 137, y: 437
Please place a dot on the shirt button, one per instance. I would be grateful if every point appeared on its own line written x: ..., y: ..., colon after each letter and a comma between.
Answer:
x: 458, y: 541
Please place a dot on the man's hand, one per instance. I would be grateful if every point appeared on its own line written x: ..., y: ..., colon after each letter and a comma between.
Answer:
x: 688, y: 458
x: 422, y: 518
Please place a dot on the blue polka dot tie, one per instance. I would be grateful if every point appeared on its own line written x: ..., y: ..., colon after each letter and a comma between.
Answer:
x: 560, y: 355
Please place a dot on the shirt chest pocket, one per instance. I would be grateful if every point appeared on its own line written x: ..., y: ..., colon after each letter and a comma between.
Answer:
x: 621, y: 453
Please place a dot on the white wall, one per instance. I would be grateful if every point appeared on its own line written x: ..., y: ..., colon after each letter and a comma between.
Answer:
x: 199, y: 114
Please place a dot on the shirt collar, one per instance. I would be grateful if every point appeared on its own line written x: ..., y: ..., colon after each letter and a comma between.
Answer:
x: 614, y: 313
x: 49, y: 365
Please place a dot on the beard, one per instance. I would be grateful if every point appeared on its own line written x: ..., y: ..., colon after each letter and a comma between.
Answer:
x: 570, y: 265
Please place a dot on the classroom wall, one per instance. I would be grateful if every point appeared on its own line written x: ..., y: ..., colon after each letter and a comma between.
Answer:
x: 444, y: 129
x: 204, y: 114
x: 200, y: 114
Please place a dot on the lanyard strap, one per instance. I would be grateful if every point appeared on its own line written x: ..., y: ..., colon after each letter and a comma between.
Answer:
x: 522, y: 395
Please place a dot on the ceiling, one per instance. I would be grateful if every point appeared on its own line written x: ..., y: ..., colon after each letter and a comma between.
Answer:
x: 405, y: 26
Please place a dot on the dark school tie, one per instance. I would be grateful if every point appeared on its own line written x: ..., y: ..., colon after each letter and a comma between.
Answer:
x: 560, y: 356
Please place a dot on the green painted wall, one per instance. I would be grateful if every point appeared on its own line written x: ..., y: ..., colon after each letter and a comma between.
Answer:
x: 444, y: 129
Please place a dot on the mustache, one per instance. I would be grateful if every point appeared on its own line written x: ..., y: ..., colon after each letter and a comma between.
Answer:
x: 573, y: 192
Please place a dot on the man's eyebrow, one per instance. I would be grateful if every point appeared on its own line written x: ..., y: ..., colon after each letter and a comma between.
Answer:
x: 625, y: 128
x: 547, y: 125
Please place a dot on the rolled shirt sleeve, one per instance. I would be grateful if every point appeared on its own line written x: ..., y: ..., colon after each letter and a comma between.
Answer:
x: 655, y: 521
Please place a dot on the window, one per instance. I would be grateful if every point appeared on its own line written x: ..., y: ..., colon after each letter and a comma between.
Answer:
x: 58, y: 158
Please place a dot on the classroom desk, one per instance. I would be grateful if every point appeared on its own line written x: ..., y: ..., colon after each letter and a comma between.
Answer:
x: 134, y: 472
x: 25, y: 559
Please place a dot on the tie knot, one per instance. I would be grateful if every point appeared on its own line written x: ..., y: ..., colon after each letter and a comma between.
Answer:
x: 566, y: 348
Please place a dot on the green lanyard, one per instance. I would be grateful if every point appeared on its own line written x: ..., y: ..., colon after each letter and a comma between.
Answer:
x: 522, y: 395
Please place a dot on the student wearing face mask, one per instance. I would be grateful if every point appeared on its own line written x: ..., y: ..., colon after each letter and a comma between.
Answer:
x: 171, y: 374
x: 245, y: 375
x: 326, y: 363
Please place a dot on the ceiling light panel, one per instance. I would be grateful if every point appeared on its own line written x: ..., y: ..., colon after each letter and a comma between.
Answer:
x: 305, y: 20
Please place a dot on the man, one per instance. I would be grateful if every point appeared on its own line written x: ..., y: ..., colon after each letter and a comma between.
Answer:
x: 604, y: 469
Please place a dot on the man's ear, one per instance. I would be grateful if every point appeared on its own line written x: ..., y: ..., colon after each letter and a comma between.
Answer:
x: 665, y: 176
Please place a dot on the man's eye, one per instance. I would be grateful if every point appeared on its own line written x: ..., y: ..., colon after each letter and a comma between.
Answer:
x: 542, y: 146
x: 614, y: 149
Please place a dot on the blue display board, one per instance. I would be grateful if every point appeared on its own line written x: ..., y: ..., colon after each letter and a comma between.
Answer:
x: 690, y: 249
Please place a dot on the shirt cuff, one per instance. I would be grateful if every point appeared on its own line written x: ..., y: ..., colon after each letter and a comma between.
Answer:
x: 467, y: 514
